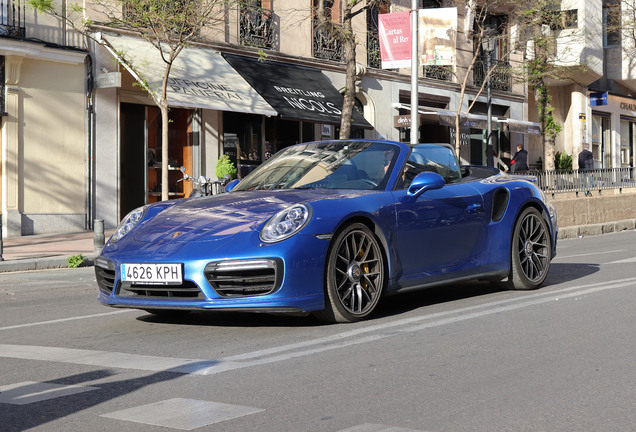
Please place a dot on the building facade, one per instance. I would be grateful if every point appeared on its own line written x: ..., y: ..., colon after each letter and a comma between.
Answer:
x: 81, y: 139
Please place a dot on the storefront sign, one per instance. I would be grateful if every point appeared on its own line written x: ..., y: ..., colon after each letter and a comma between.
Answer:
x: 295, y: 92
x: 404, y: 121
x: 108, y: 80
x: 326, y: 130
x: 598, y: 99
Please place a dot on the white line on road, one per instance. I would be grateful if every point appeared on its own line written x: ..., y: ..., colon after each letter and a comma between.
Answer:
x: 559, y: 257
x: 61, y: 320
x: 285, y: 352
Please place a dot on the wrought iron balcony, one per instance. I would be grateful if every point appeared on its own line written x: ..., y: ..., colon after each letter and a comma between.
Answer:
x: 12, y: 19
x: 256, y: 27
x: 500, y: 79
x: 374, y: 59
x: 442, y: 73
x: 325, y: 45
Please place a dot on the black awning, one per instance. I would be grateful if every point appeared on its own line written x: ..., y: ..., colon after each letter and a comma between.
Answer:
x: 295, y: 92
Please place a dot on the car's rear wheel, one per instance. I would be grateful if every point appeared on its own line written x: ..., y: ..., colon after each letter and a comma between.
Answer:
x: 355, y: 275
x: 531, y: 246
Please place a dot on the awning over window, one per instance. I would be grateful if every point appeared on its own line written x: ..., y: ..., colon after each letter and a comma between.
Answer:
x: 296, y: 92
x: 199, y: 78
x: 524, y: 127
x: 447, y: 118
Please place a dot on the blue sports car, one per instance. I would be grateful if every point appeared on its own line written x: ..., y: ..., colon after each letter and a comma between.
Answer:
x: 329, y: 228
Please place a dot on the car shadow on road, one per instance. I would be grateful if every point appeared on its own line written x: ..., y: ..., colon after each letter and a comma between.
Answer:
x: 389, y: 306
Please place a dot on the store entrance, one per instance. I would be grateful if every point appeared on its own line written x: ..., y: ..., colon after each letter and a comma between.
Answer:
x: 140, y: 155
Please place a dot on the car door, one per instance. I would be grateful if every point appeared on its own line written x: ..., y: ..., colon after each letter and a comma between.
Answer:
x: 440, y: 231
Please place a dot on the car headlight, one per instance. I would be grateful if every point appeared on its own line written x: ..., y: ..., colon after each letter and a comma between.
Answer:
x: 128, y: 223
x: 286, y: 223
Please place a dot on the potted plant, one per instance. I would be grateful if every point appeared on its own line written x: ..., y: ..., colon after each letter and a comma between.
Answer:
x: 224, y: 167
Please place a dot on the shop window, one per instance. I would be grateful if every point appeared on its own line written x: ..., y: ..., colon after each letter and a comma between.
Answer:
x: 180, y: 153
x: 601, y: 141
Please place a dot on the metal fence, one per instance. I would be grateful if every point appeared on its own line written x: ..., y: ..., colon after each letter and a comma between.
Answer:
x: 588, y: 180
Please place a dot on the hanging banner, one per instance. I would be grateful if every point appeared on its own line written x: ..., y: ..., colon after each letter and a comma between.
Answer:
x: 394, y: 30
x: 437, y: 36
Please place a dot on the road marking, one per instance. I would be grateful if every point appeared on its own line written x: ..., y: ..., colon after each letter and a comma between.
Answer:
x: 345, y: 339
x: 370, y: 427
x: 559, y: 257
x: 61, y: 320
x: 181, y: 413
x: 30, y: 391
x: 624, y: 261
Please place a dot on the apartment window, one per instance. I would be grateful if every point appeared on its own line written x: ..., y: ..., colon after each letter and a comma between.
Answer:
x: 566, y: 19
x: 373, y: 42
x: 325, y: 45
x: 611, y: 23
x: 256, y: 23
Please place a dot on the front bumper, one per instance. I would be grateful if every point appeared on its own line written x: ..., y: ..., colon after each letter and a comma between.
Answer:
x: 283, y: 277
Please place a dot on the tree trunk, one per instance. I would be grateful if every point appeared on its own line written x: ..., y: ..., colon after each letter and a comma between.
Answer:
x: 348, y: 105
x: 164, y: 151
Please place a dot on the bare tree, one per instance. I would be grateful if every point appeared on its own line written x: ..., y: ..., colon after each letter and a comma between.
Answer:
x: 168, y: 25
x: 343, y: 32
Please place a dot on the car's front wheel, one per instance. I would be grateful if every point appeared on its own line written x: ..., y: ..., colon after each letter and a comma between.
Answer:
x: 531, y: 246
x: 355, y: 275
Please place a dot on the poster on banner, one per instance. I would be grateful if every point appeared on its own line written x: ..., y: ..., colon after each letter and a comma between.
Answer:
x: 437, y: 36
x: 394, y: 30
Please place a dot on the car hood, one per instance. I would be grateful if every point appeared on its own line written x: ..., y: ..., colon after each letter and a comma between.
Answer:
x: 220, y: 216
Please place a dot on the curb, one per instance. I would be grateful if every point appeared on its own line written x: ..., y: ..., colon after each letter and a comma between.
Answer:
x: 41, y: 264
x: 596, y: 229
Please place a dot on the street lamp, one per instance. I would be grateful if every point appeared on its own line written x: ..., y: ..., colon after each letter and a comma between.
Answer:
x: 488, y: 46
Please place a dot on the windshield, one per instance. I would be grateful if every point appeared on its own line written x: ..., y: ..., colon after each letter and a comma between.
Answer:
x: 361, y: 165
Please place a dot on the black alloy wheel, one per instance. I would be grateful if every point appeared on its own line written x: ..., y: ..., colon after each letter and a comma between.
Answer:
x: 531, y: 249
x: 355, y: 275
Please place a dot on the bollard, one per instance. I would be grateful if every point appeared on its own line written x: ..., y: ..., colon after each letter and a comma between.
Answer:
x: 98, y: 236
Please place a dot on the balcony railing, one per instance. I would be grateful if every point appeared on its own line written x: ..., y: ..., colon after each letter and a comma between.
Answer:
x: 12, y: 19
x: 256, y: 27
x: 374, y: 60
x: 442, y: 73
x: 326, y: 46
x: 500, y: 79
x: 581, y: 181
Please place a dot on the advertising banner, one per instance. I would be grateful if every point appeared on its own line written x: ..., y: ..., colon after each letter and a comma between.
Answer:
x: 394, y: 30
x: 437, y: 36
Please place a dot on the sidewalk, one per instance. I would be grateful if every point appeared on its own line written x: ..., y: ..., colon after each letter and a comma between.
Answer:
x: 47, y: 251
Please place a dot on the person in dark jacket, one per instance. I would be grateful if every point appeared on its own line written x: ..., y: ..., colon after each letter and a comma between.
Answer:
x: 519, y: 162
x: 586, y: 164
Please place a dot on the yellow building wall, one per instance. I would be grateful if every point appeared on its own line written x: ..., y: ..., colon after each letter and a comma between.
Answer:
x: 53, y: 173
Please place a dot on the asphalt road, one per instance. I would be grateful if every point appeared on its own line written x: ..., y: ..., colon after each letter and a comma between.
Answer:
x: 463, y: 358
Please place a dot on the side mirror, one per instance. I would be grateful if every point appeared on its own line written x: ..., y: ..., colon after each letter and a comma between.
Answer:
x: 423, y: 182
x: 231, y: 185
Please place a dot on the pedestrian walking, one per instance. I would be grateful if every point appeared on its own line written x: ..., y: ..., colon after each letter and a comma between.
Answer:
x: 519, y: 162
x: 586, y: 166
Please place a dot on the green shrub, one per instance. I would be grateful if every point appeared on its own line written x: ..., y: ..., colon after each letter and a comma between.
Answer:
x: 562, y: 161
x: 225, y: 166
x: 75, y: 260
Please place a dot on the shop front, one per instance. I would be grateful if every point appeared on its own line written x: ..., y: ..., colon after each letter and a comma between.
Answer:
x: 202, y: 88
x: 613, y: 130
x: 309, y: 108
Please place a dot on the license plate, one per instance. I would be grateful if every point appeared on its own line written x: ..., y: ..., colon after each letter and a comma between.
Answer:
x: 152, y: 273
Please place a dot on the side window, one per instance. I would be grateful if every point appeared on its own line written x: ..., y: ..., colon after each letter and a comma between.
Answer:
x: 431, y: 158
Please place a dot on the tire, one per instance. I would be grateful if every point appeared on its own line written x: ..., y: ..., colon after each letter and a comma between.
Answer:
x: 530, y: 251
x: 355, y: 275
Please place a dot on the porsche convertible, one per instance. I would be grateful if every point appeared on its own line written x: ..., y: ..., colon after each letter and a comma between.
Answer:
x: 330, y: 228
